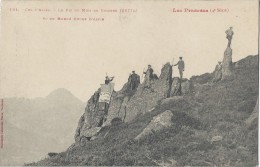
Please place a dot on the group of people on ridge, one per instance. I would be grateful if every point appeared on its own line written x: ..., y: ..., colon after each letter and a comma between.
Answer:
x: 134, y: 79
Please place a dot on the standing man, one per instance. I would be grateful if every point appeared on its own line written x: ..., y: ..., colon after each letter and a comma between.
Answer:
x: 148, y: 76
x: 229, y: 32
x: 134, y: 80
x: 181, y: 66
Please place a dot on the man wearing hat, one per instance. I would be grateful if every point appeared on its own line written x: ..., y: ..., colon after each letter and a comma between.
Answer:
x: 148, y: 76
x: 180, y: 67
x: 134, y: 80
x: 229, y: 32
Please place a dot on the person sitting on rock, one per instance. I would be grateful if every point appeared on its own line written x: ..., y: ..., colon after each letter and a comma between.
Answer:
x: 229, y: 32
x: 218, y: 72
x: 219, y: 66
x: 148, y: 76
x: 108, y: 80
x: 181, y: 66
x: 134, y: 80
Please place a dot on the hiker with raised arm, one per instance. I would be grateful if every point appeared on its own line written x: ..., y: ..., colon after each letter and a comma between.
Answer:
x: 229, y: 32
x: 181, y: 66
x: 108, y: 79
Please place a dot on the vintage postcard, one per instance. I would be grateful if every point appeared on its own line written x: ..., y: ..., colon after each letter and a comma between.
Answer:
x: 129, y: 83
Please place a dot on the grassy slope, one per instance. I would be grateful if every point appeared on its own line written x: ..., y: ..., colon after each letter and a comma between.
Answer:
x: 212, y: 110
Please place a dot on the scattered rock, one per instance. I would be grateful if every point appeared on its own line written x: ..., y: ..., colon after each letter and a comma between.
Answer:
x: 90, y: 132
x: 158, y: 123
x: 51, y: 154
x: 216, y: 138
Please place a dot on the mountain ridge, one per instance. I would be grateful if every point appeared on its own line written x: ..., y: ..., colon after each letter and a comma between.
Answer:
x: 196, y: 135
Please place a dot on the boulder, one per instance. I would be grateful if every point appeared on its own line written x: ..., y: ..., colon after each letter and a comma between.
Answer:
x: 216, y: 139
x: 158, y: 123
x: 227, y: 63
x: 90, y: 132
x: 179, y: 87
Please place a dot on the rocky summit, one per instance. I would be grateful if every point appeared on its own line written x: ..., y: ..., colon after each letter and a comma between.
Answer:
x: 126, y: 104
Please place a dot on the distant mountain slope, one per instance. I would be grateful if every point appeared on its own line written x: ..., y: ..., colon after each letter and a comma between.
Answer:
x: 42, y: 125
x: 208, y: 128
x: 22, y: 146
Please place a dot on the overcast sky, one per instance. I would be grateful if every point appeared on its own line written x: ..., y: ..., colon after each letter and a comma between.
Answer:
x: 39, y: 56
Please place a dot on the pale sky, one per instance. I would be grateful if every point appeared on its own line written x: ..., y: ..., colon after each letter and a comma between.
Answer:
x: 39, y: 56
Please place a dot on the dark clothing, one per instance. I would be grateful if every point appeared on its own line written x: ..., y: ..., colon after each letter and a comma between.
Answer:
x: 108, y: 80
x: 134, y: 81
x: 181, y: 67
x: 149, y: 71
x: 180, y: 64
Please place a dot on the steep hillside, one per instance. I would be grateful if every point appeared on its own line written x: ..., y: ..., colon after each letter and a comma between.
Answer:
x: 43, y: 124
x: 207, y: 126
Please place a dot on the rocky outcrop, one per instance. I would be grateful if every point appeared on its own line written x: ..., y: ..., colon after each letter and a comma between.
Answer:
x: 92, y: 118
x: 179, y: 87
x: 158, y: 123
x: 128, y: 107
x: 217, y: 73
x: 176, y: 87
x: 227, y: 63
x: 125, y: 104
x: 146, y: 98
